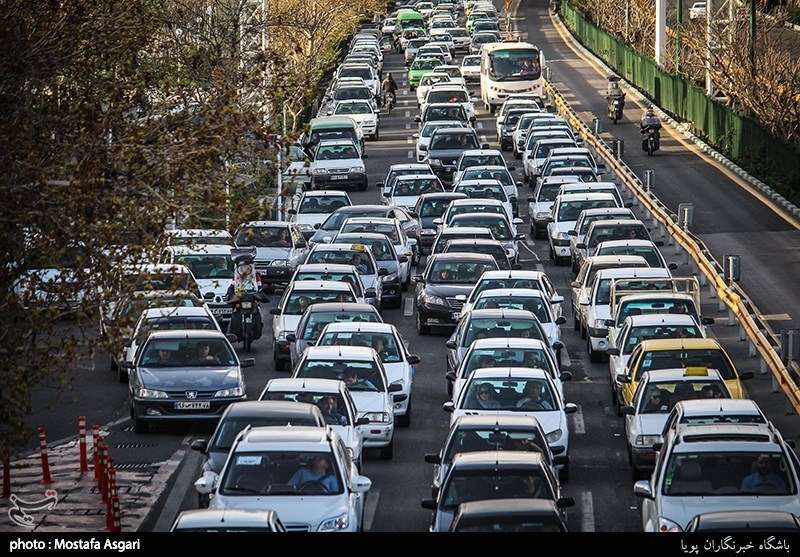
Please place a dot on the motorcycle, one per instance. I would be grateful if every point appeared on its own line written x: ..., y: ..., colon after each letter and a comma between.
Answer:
x: 615, y: 106
x: 650, y: 141
x: 246, y: 322
x: 390, y: 102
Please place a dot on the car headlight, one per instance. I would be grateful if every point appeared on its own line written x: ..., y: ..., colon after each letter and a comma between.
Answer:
x: 647, y: 440
x: 224, y: 393
x: 435, y: 162
x: 666, y: 525
x: 334, y: 524
x: 280, y: 263
x: 390, y: 277
x: 357, y: 169
x: 541, y: 215
x: 436, y: 300
x: 428, y: 232
x: 599, y: 323
x: 151, y: 393
x: 282, y: 335
x: 320, y: 171
x: 306, y: 227
x: 554, y: 436
x: 377, y: 417
x: 563, y: 235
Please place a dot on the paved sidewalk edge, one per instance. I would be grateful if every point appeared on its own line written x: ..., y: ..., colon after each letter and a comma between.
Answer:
x: 164, y: 504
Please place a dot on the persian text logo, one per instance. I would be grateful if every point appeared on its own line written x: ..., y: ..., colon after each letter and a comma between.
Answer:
x: 18, y: 515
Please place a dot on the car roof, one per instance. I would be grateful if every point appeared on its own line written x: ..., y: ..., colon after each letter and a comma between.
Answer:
x: 719, y: 438
x: 339, y: 247
x: 305, y: 437
x: 337, y: 307
x: 362, y: 236
x: 318, y: 285
x: 475, y: 201
x: 508, y: 508
x: 264, y: 223
x: 332, y: 121
x: 513, y: 274
x: 487, y: 167
x: 335, y: 142
x: 476, y: 216
x: 361, y: 326
x: 186, y: 333
x: 361, y: 353
x: 511, y: 292
x: 451, y: 130
x: 329, y: 267
x: 464, y: 257
x: 629, y: 243
x: 501, y: 313
x: 685, y: 374
x: 473, y: 152
x: 515, y: 343
x: 474, y: 242
x: 198, y: 232
x: 175, y: 311
x: 666, y: 319
x: 492, y: 459
x: 610, y: 223
x: 374, y: 220
x: 322, y: 193
x: 409, y: 177
x: 304, y: 384
x: 589, y: 196
x: 260, y: 408
x: 454, y: 196
x: 718, y: 406
x: 680, y: 344
x: 156, y: 268
x: 201, y: 249
x: 633, y: 272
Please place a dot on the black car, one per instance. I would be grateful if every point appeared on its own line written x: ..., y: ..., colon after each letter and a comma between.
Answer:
x: 239, y: 415
x: 430, y: 207
x: 387, y: 258
x: 509, y: 515
x: 490, y: 247
x: 446, y: 147
x: 446, y: 276
x: 333, y: 223
x: 188, y: 376
x: 507, y: 129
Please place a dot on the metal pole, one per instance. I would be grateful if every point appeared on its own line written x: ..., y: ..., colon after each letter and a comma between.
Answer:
x: 678, y: 25
x: 627, y: 21
x: 661, y: 31
x: 709, y: 18
x: 752, y: 37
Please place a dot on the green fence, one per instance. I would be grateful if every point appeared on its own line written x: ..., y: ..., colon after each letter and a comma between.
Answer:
x: 738, y: 137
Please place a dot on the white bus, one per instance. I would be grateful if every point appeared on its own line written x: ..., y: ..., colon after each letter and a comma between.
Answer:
x: 510, y: 67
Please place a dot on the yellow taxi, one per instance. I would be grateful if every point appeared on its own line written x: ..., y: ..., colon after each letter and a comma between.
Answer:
x: 677, y: 353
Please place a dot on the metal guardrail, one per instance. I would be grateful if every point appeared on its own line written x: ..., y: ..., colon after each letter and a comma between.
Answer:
x: 763, y: 339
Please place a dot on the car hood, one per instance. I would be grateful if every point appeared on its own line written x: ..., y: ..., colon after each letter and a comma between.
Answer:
x: 359, y: 118
x: 681, y: 510
x: 218, y: 286
x: 287, y: 323
x: 395, y: 371
x: 191, y: 378
x: 445, y: 154
x: 448, y: 290
x: 293, y: 509
x: 651, y: 424
x: 350, y: 436
x: 311, y: 218
x: 268, y: 254
x: 320, y: 235
x: 405, y: 201
x: 390, y: 265
x: 427, y: 223
x: 369, y: 401
x: 338, y: 163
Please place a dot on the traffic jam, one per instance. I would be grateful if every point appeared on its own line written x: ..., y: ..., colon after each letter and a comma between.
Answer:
x: 443, y: 247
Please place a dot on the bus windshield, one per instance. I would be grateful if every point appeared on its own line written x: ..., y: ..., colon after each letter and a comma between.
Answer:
x: 514, y: 64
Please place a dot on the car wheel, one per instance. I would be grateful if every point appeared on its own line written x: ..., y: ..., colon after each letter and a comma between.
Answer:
x: 594, y: 356
x: 280, y: 365
x: 574, y: 267
x: 377, y: 135
x: 139, y: 426
x: 449, y: 388
x: 113, y: 365
x: 576, y: 323
x: 583, y: 332
x: 363, y: 187
x: 122, y: 375
x: 613, y: 396
x: 563, y: 473
x: 422, y: 329
x: 387, y: 452
x: 405, y: 419
x: 551, y: 254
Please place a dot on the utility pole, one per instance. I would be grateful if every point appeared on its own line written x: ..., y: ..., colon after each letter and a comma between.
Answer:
x: 678, y: 25
x: 661, y: 31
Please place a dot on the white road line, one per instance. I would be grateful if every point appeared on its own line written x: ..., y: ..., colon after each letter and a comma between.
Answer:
x: 479, y: 125
x: 578, y: 427
x: 370, y: 507
x: 408, y: 308
x: 484, y: 139
x: 587, y: 512
x: 409, y: 140
x: 411, y: 154
x: 408, y: 114
x: 538, y: 267
x: 408, y: 126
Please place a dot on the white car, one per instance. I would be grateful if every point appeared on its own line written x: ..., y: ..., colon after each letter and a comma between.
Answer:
x: 297, y: 297
x: 342, y: 416
x: 565, y: 213
x: 704, y: 411
x: 538, y: 146
x: 275, y: 468
x: 582, y: 224
x: 596, y: 305
x: 537, y: 280
x: 364, y: 71
x: 392, y: 229
x: 461, y: 38
x: 407, y: 189
x: 297, y: 171
x: 334, y: 272
x: 338, y: 163
x: 356, y: 255
x: 371, y: 390
x: 523, y: 298
x: 643, y: 248
x: 445, y: 48
x: 398, y: 362
x: 471, y: 68
x: 204, y: 236
x: 449, y: 93
x: 508, y: 392
x: 485, y: 189
x: 364, y: 113
x: 424, y: 136
x: 491, y: 172
x: 698, y: 9
x: 533, y: 105
x: 427, y: 81
x: 462, y: 206
x: 441, y: 37
x: 313, y: 208
x: 505, y: 352
x: 455, y: 74
x: 388, y: 27
x: 520, y: 133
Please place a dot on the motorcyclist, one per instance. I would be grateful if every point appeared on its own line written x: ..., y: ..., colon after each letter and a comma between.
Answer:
x: 389, y: 85
x: 613, y: 92
x: 649, y: 122
x: 245, y: 281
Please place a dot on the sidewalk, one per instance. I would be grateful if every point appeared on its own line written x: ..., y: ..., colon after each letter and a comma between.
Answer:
x: 78, y: 506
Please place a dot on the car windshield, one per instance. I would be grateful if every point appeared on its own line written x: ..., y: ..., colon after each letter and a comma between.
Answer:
x: 161, y: 281
x: 481, y: 160
x: 482, y: 191
x: 363, y: 73
x: 548, y: 192
x: 497, y: 226
x: 334, y: 134
x: 332, y: 405
x: 534, y: 304
x: 500, y: 327
x: 683, y: 358
x: 318, y: 320
x: 356, y: 258
x: 728, y: 474
x: 383, y: 343
x: 335, y: 276
x: 415, y: 43
x: 433, y: 208
x: 569, y: 210
x: 299, y: 301
x: 455, y: 112
x: 495, y: 250
x: 493, y: 439
x: 319, y: 204
x: 454, y: 96
x: 564, y: 163
x: 354, y: 108
x: 428, y: 129
x: 175, y: 323
x: 505, y: 357
x: 660, y: 397
x: 336, y: 152
x: 476, y: 61
x: 639, y: 334
x: 334, y: 222
x: 357, y: 375
x: 424, y: 64
x: 584, y: 175
x: 416, y: 186
x: 454, y: 141
x: 264, y: 237
x: 387, y: 229
x: 514, y: 64
x: 650, y: 253
x: 191, y: 352
x: 474, y: 173
x: 208, y: 266
x: 589, y: 219
x: 281, y: 473
x: 457, y: 273
x: 350, y: 93
x: 507, y: 394
x: 538, y: 524
x: 543, y: 149
x: 483, y: 39
x: 464, y: 486
x: 476, y: 208
x: 619, y: 232
x: 230, y: 428
x: 191, y: 240
x: 452, y: 72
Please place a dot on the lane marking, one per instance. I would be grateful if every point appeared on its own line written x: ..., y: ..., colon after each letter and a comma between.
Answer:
x: 371, y: 507
x: 411, y: 154
x: 587, y: 512
x: 408, y: 114
x: 578, y: 427
x: 479, y: 125
x: 409, y: 140
x: 408, y: 307
x: 777, y: 317
x: 408, y: 126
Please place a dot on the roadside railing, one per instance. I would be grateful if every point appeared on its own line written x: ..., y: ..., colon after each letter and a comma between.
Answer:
x: 764, y: 342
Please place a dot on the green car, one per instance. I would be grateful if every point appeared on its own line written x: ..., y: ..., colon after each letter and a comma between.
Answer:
x: 419, y: 67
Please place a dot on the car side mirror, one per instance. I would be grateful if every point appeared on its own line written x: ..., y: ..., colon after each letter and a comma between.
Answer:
x: 565, y: 502
x: 402, y: 259
x: 206, y: 483
x: 580, y: 245
x: 417, y: 119
x: 561, y: 460
x: 519, y: 184
x: 429, y: 504
x: 627, y: 410
x: 415, y: 136
x: 659, y: 243
x: 451, y: 344
x: 433, y: 458
x: 517, y: 221
x: 516, y: 266
x: 127, y: 365
x: 450, y: 376
x: 291, y: 337
x: 519, y: 237
x: 317, y: 225
x: 565, y: 376
x: 512, y: 168
x: 292, y: 211
x: 561, y: 320
x: 365, y: 156
x: 370, y: 293
x: 575, y: 284
x: 672, y: 266
x: 248, y: 362
x: 707, y: 321
x: 383, y: 272
x: 613, y: 351
x: 622, y: 378
x: 585, y: 301
x: 484, y: 145
x: 418, y: 279
x: 658, y: 446
x: 449, y: 407
x: 609, y: 322
x: 379, y: 185
x: 746, y: 375
x: 362, y: 421
x: 200, y: 445
x: 572, y: 232
x: 556, y: 299
x: 437, y: 221
x: 570, y: 408
x: 274, y: 311
x: 394, y: 388
x: 643, y: 489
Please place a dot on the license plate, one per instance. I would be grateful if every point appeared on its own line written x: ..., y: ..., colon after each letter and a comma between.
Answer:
x: 194, y: 405
x: 454, y: 315
x: 221, y: 311
x: 339, y: 177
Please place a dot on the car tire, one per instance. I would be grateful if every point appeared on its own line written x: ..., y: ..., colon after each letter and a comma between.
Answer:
x: 387, y: 452
x: 405, y: 419
x: 576, y: 323
x: 364, y: 186
x: 563, y: 473
x: 113, y: 366
x: 280, y: 365
x: 613, y: 396
x: 377, y: 135
x: 594, y: 356
x: 449, y: 388
x: 122, y: 375
x: 422, y: 329
x: 583, y: 332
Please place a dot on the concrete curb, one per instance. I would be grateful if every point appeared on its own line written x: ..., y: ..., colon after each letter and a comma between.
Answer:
x: 790, y: 208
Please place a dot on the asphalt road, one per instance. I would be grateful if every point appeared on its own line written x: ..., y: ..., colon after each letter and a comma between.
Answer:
x: 726, y: 216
